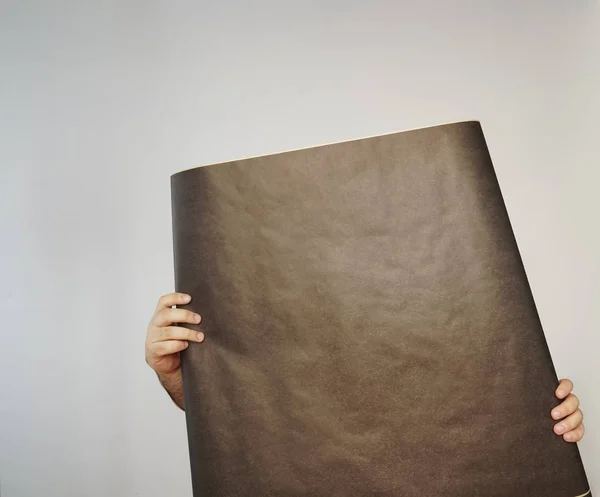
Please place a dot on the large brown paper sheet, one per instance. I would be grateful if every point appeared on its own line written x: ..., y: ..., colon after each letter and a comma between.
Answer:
x: 370, y: 329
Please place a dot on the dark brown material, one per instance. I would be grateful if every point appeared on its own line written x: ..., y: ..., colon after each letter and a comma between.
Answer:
x: 370, y: 327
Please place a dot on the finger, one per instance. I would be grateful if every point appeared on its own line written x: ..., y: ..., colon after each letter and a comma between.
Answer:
x: 569, y: 423
x: 575, y: 435
x: 171, y: 299
x: 565, y: 387
x: 178, y: 333
x: 169, y: 347
x: 169, y: 316
x: 568, y: 406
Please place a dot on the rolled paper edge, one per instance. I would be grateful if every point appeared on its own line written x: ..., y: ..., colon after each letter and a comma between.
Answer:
x: 338, y: 142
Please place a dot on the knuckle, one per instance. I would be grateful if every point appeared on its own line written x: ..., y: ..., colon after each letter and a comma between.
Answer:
x: 168, y: 316
x: 164, y: 349
x: 166, y: 332
x: 168, y: 299
x: 152, y: 352
x: 160, y: 349
x: 177, y: 346
x: 178, y: 333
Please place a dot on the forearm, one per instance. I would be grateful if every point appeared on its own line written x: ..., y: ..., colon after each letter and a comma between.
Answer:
x: 173, y: 384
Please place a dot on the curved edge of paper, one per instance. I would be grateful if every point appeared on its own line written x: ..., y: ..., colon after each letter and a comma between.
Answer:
x: 463, y: 121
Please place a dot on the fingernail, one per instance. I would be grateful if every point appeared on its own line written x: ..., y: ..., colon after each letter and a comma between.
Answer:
x: 560, y: 428
x: 569, y: 437
x: 200, y: 336
x: 561, y: 393
x: 197, y: 318
x: 186, y: 298
x: 556, y: 414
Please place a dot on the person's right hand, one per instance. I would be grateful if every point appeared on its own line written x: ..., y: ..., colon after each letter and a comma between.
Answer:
x: 164, y: 340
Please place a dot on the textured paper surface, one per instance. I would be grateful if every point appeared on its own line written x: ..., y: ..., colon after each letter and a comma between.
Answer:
x: 370, y: 330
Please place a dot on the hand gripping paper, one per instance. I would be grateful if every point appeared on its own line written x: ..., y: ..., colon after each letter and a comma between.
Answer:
x: 370, y: 329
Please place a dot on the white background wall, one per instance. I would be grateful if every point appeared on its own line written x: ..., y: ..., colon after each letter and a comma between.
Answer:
x: 100, y: 102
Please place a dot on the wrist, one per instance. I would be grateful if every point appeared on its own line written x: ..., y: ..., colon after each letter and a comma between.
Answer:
x: 173, y: 385
x: 169, y: 377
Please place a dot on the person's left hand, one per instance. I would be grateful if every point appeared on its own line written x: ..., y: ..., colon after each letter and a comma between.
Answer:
x: 570, y: 417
